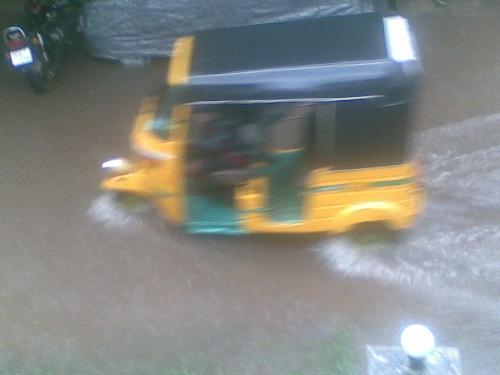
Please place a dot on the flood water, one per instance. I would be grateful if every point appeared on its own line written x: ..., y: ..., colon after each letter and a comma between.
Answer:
x: 88, y: 288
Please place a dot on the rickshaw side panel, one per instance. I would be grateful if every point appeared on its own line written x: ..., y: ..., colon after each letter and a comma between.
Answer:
x: 351, y: 197
x: 336, y: 201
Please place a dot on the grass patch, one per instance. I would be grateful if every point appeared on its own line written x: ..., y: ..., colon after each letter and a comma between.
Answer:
x: 337, y: 356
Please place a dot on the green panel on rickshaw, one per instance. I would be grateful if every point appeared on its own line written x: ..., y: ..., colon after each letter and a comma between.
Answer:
x: 211, y: 216
x: 285, y: 198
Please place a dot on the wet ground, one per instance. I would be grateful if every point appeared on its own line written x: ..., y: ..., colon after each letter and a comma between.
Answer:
x: 86, y: 288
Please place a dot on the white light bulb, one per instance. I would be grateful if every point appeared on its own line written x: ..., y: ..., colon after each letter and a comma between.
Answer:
x: 115, y: 163
x: 399, y: 39
x: 417, y: 341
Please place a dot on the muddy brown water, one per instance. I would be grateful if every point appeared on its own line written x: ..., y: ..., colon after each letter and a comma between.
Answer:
x: 87, y: 288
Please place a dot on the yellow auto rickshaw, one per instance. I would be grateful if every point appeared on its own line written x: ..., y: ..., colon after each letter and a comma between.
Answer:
x: 289, y: 127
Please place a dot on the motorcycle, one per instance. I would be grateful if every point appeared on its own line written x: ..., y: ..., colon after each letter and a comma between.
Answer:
x: 28, y: 53
x: 36, y: 50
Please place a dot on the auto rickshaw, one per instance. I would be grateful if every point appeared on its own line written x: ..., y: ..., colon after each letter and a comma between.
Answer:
x: 289, y: 127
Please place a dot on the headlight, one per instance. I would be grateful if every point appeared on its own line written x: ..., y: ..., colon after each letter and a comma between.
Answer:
x: 117, y: 166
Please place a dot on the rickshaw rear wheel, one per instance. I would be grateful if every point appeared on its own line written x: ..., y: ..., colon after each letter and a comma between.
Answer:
x: 373, y: 233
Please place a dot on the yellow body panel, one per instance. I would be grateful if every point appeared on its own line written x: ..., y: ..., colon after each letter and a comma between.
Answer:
x: 161, y: 178
x: 180, y: 64
x: 336, y: 201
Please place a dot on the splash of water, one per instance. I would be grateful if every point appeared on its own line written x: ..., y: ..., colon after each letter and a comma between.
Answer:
x: 454, y: 246
x: 106, y: 210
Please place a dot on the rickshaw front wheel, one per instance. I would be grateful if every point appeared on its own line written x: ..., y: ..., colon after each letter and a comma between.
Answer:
x: 131, y: 202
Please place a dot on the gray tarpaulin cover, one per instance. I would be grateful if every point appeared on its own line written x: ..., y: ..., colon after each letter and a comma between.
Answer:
x: 129, y: 29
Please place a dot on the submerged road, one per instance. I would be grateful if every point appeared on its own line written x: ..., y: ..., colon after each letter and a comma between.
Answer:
x: 86, y: 288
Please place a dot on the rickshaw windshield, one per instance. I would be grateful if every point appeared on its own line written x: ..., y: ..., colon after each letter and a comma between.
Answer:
x: 161, y: 124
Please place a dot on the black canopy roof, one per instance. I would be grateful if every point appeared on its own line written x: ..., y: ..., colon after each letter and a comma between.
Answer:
x: 323, y: 59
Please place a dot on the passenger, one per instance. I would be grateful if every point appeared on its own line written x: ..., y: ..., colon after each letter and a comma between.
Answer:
x: 227, y: 145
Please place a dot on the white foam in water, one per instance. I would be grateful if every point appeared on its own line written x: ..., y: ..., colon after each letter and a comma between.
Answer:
x: 456, y: 242
x: 107, y: 211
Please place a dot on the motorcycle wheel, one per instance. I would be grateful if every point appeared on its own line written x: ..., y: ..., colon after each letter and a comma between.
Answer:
x: 41, y: 78
x: 37, y: 82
